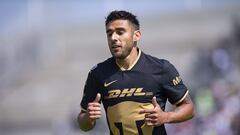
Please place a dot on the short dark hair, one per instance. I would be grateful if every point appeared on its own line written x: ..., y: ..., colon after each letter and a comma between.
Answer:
x: 123, y: 15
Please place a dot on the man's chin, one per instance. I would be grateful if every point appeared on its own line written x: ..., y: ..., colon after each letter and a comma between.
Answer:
x: 118, y: 56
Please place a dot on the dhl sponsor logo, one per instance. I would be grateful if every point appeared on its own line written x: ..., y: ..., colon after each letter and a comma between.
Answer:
x: 127, y: 92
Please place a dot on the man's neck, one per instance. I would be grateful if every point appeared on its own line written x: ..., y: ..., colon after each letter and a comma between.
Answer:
x: 127, y: 63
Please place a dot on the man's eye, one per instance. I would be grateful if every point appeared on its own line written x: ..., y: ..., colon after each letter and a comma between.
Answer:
x: 120, y: 32
x: 109, y: 34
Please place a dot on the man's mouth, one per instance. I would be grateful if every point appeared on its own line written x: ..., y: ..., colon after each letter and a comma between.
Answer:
x: 116, y: 48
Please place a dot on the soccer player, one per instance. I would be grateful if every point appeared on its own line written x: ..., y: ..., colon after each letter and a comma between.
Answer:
x: 133, y: 86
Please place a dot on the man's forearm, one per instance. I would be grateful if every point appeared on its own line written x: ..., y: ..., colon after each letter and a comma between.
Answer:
x: 84, y: 122
x: 183, y: 112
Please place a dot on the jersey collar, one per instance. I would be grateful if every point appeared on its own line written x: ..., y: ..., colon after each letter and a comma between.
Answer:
x: 134, y: 63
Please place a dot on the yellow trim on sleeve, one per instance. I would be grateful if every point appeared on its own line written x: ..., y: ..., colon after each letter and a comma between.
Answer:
x: 184, y: 96
x: 82, y: 109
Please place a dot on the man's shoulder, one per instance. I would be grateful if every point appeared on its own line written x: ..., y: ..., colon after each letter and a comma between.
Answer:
x: 101, y: 66
x: 155, y: 61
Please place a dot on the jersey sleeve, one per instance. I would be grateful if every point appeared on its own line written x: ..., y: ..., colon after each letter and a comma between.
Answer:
x: 90, y: 91
x: 174, y: 89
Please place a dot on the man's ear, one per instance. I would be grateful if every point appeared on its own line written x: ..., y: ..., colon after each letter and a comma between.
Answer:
x: 136, y: 35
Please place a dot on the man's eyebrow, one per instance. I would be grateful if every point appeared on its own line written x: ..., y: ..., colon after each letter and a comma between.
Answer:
x: 118, y: 29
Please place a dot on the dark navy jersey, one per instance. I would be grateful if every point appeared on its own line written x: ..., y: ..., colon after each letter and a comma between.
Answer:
x: 125, y: 93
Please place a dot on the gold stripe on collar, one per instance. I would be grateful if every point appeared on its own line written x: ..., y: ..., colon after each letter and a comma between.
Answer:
x: 134, y: 63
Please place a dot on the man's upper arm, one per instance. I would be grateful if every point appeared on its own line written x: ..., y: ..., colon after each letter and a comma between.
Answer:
x: 186, y: 100
x: 90, y: 91
x: 174, y: 89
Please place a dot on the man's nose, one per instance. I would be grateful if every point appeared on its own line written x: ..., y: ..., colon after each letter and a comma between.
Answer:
x: 114, y: 37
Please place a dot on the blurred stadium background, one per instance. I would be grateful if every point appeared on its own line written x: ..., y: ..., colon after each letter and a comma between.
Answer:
x: 48, y: 46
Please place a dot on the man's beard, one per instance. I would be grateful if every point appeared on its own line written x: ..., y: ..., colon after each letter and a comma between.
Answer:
x: 124, y: 53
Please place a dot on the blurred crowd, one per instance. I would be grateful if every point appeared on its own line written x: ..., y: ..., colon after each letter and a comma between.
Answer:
x: 216, y: 90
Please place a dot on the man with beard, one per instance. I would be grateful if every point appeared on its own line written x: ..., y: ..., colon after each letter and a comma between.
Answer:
x: 133, y: 86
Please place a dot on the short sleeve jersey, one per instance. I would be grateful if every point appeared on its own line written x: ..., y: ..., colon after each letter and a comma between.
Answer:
x: 125, y: 93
